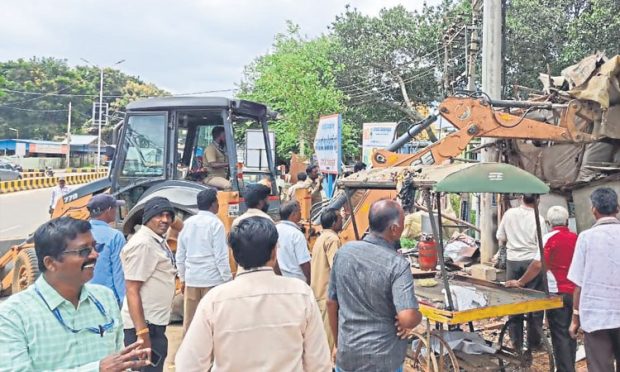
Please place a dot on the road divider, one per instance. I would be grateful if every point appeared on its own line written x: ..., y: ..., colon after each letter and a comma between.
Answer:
x: 32, y: 174
x: 44, y: 182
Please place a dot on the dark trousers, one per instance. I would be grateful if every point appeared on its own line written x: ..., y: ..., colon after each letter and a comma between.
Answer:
x: 602, y: 347
x: 564, y: 347
x: 159, y: 343
x: 514, y: 270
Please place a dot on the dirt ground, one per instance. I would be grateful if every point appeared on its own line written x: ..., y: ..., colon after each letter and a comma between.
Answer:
x: 175, y: 335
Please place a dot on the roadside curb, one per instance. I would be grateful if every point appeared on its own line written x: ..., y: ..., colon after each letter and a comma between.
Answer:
x: 44, y: 182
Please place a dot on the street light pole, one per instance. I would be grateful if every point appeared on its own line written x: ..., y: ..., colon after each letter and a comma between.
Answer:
x: 98, y: 162
x: 16, y: 132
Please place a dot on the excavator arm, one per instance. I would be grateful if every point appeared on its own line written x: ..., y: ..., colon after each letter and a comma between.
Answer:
x: 477, y: 117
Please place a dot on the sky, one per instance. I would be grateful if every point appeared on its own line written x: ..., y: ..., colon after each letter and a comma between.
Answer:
x: 183, y: 46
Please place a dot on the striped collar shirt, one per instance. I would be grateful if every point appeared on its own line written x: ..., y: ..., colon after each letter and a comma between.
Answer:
x: 33, y: 339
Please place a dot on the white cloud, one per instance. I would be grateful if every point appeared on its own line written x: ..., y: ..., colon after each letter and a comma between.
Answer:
x: 183, y: 45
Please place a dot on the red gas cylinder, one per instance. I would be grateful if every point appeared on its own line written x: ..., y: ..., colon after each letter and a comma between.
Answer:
x: 427, y: 253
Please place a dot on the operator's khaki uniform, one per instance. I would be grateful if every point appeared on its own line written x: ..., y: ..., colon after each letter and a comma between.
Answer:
x: 216, y: 177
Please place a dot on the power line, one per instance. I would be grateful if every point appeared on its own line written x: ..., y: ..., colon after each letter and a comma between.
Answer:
x: 30, y: 110
x: 57, y: 94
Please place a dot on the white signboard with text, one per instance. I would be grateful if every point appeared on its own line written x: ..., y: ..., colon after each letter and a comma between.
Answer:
x: 327, y: 144
x: 376, y: 136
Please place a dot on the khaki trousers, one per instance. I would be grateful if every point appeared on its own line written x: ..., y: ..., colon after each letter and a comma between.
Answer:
x: 328, y: 329
x: 191, y: 299
x: 219, y: 183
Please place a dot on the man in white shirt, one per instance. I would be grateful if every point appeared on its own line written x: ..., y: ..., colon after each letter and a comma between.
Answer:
x: 301, y: 183
x: 259, y: 321
x: 202, y: 254
x: 293, y: 255
x: 58, y: 192
x: 594, y: 270
x: 517, y: 231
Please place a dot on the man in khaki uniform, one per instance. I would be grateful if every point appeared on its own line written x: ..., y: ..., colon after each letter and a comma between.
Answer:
x: 314, y: 183
x: 216, y: 161
x: 150, y: 273
x: 323, y: 253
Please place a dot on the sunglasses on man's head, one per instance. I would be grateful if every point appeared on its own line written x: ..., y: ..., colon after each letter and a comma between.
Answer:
x: 82, y: 252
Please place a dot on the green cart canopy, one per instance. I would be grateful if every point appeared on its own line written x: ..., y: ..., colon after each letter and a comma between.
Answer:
x: 453, y: 178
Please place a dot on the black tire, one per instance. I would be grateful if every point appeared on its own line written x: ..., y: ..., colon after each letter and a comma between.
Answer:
x: 25, y: 271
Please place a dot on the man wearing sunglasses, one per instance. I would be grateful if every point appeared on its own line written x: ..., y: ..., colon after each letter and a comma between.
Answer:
x: 109, y: 271
x: 150, y: 272
x: 61, y: 322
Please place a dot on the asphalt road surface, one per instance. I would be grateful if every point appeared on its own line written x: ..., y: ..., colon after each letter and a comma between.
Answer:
x: 22, y: 212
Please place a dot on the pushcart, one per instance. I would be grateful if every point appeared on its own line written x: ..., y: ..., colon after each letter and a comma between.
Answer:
x: 432, y: 350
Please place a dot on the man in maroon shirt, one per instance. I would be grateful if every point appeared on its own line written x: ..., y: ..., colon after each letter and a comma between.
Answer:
x: 559, y: 246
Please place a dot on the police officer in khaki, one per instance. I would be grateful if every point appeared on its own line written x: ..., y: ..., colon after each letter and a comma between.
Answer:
x: 216, y: 161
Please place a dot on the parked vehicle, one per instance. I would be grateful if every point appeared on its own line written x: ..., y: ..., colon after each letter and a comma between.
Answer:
x: 7, y: 173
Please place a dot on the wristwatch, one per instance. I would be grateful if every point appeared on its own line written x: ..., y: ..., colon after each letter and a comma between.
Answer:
x: 575, y: 311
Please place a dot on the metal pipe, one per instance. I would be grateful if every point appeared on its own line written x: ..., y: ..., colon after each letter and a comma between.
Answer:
x: 411, y: 132
x: 525, y: 104
x: 439, y: 240
x: 541, y: 248
x: 348, y: 197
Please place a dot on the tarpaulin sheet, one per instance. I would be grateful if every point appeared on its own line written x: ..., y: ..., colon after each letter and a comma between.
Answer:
x: 603, y: 87
x: 557, y: 164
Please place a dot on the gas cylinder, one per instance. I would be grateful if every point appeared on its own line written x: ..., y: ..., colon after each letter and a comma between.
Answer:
x: 427, y: 253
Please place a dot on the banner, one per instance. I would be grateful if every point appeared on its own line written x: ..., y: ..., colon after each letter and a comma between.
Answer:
x: 376, y: 136
x: 327, y: 144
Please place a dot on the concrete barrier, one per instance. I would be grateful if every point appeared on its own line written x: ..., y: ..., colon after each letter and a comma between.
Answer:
x: 32, y: 174
x: 44, y: 182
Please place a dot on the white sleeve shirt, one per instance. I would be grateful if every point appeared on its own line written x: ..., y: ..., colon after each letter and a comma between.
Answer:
x: 292, y: 250
x: 202, y: 252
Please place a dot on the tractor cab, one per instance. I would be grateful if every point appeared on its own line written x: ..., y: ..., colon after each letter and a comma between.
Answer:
x: 162, y: 145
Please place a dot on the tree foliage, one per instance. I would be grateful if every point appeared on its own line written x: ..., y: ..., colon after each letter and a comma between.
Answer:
x: 549, y: 35
x: 35, y: 94
x: 296, y: 79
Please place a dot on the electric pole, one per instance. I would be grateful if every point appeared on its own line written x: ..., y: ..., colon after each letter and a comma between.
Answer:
x: 69, y: 138
x: 491, y: 85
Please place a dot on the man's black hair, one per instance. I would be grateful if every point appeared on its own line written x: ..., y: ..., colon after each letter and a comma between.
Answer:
x: 206, y: 198
x: 52, y: 238
x: 310, y: 168
x: 359, y: 166
x: 288, y: 208
x: 216, y: 131
x: 381, y: 218
x: 302, y: 176
x: 530, y: 198
x: 252, y: 241
x: 255, y: 193
x: 329, y: 217
x: 605, y: 201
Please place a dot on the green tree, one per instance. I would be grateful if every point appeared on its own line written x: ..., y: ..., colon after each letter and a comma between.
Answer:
x: 549, y: 35
x: 35, y: 94
x: 392, y: 61
x: 297, y: 80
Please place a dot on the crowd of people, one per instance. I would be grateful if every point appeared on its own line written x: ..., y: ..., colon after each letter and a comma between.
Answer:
x: 104, y: 303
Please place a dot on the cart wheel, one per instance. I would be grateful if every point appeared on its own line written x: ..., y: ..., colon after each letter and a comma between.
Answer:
x: 438, y: 362
x: 524, y: 356
x: 25, y: 271
x: 419, y: 361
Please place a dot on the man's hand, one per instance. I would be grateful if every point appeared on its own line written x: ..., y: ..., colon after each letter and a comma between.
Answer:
x: 183, y: 287
x: 146, y: 344
x: 513, y: 284
x: 133, y: 357
x: 334, y: 353
x: 402, y: 333
x: 573, y: 330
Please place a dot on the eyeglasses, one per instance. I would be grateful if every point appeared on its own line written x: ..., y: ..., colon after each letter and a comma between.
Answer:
x: 82, y: 252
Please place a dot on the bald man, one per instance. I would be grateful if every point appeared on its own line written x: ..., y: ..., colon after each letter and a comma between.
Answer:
x: 370, y: 286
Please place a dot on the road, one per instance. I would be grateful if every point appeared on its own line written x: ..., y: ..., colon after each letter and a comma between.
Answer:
x: 22, y: 212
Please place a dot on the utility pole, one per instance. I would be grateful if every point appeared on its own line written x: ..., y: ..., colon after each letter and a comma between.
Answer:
x: 69, y: 138
x: 98, y: 164
x: 474, y: 45
x: 491, y: 85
